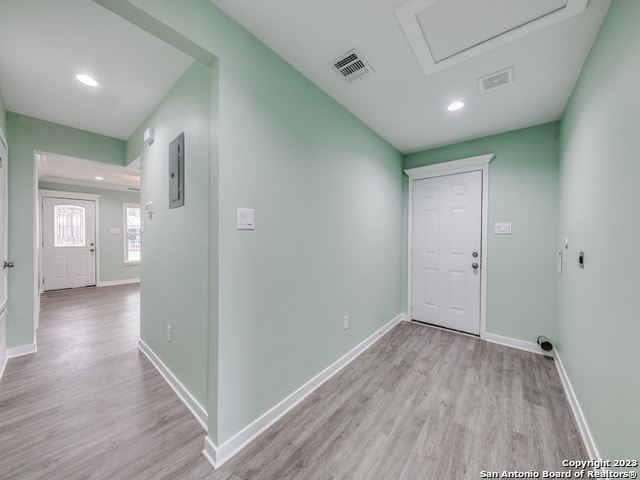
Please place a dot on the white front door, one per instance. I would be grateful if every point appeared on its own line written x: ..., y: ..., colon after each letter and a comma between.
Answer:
x: 69, y: 243
x: 4, y: 261
x: 446, y: 248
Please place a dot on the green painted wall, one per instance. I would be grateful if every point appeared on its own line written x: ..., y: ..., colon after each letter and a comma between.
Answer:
x: 110, y: 245
x: 26, y: 135
x: 176, y: 243
x: 599, y: 306
x: 523, y: 190
x: 327, y: 193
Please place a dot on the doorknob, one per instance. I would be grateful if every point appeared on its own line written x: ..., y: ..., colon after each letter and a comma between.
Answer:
x: 92, y: 250
x: 474, y: 265
x: 8, y: 264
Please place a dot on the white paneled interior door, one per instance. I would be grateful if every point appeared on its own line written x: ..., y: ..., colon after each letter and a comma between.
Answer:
x: 69, y: 243
x: 446, y: 251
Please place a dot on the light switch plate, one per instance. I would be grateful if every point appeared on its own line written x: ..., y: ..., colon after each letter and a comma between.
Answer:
x: 503, y: 228
x: 246, y: 219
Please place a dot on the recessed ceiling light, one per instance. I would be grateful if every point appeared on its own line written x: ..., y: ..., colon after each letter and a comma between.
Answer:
x: 86, y: 79
x: 99, y: 178
x: 455, y: 106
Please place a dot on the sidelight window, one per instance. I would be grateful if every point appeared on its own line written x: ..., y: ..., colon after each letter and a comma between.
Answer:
x: 133, y: 233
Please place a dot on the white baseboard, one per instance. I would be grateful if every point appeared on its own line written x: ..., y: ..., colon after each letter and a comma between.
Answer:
x: 14, y: 352
x: 583, y: 426
x: 111, y: 283
x: 581, y: 421
x: 2, y: 367
x: 514, y: 343
x: 218, y: 455
x: 210, y: 452
x: 192, y: 404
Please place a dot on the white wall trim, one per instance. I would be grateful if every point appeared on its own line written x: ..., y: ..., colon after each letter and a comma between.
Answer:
x: 514, y: 343
x: 183, y: 394
x: 581, y: 421
x: 218, y: 455
x: 210, y: 452
x: 583, y: 426
x: 465, y: 165
x: 2, y: 367
x: 111, y: 283
x: 28, y: 349
x: 71, y: 195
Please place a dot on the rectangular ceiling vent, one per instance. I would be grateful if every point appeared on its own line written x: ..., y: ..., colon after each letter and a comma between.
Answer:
x: 495, y: 80
x: 351, y: 66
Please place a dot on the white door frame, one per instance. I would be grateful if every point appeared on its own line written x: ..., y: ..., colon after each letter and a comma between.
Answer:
x: 465, y: 165
x: 5, y: 228
x: 72, y: 196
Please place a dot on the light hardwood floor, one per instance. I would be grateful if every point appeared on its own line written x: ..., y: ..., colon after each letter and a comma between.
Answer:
x: 89, y: 405
x: 422, y: 403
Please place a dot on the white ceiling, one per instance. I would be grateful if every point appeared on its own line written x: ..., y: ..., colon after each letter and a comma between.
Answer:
x: 42, y: 42
x: 400, y: 102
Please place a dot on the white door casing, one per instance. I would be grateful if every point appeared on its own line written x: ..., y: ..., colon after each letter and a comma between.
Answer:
x: 69, y: 242
x: 3, y: 222
x: 456, y: 298
x: 3, y: 250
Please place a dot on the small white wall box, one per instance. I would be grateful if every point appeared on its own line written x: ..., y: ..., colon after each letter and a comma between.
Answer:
x: 149, y: 136
x: 246, y: 219
x: 149, y: 209
x: 503, y: 228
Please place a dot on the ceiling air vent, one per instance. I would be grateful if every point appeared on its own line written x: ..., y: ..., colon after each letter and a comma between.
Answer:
x: 351, y: 66
x: 495, y: 80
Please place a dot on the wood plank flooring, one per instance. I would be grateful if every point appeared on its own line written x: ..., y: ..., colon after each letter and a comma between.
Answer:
x: 89, y: 405
x: 422, y: 403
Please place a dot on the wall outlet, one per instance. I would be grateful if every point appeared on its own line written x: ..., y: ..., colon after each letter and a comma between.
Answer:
x: 168, y: 333
x: 345, y: 322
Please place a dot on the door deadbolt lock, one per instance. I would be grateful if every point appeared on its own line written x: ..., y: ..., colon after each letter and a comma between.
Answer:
x: 474, y: 254
x: 8, y: 264
x: 475, y: 265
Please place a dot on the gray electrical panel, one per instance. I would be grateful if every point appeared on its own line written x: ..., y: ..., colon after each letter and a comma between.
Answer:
x: 176, y: 172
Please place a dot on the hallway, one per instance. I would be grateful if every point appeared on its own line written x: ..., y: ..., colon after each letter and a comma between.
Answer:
x: 89, y: 405
x: 421, y: 403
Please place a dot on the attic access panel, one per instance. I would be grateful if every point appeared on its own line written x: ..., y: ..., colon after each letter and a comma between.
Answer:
x: 445, y: 32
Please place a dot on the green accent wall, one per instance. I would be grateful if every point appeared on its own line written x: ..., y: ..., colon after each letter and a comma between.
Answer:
x: 599, y: 308
x: 327, y: 192
x: 523, y: 190
x: 176, y: 246
x: 26, y: 135
x: 110, y: 245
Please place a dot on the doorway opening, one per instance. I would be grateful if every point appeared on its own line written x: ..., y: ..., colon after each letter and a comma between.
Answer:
x: 447, y: 237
